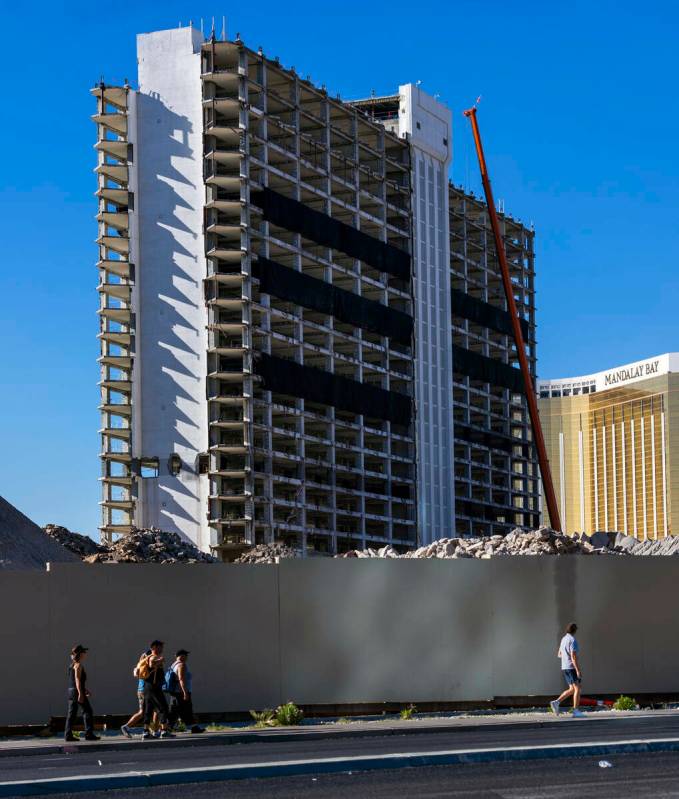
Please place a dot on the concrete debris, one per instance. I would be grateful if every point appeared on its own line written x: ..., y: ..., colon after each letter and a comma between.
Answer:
x: 519, y: 542
x: 155, y: 546
x: 660, y: 546
x: 139, y: 546
x: 23, y: 545
x: 267, y: 553
x: 525, y: 543
x: 82, y: 545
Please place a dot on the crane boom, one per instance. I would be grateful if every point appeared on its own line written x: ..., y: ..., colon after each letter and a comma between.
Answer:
x: 538, y: 437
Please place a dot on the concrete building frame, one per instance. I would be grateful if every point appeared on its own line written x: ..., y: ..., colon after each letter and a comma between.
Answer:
x: 270, y: 318
x: 304, y: 332
x: 496, y: 470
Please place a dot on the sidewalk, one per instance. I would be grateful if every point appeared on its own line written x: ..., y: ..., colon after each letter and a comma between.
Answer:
x: 30, y: 767
x: 113, y: 741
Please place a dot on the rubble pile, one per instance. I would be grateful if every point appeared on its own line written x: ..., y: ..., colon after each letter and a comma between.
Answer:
x: 156, y: 546
x: 267, y: 553
x: 661, y: 546
x: 139, y: 546
x: 82, y: 545
x: 519, y: 542
x: 151, y: 546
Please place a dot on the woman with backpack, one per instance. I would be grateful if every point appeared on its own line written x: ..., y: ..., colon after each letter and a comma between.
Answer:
x: 135, y: 718
x: 178, y: 681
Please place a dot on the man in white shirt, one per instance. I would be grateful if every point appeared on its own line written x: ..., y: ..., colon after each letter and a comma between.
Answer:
x: 570, y: 668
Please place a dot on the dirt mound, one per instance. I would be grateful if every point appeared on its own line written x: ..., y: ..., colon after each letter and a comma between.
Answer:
x: 24, y: 545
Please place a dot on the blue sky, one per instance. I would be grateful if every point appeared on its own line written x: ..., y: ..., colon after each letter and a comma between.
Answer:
x: 579, y: 117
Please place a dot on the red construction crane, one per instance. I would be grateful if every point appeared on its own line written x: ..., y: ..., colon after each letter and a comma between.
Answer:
x: 538, y: 438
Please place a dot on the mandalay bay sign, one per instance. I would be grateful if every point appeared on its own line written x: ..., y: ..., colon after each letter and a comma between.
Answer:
x: 636, y: 371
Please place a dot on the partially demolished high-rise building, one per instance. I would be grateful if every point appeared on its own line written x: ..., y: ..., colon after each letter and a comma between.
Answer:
x: 497, y: 485
x: 276, y: 340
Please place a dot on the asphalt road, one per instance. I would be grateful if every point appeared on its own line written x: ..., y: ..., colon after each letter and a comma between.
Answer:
x: 81, y: 761
x: 647, y: 775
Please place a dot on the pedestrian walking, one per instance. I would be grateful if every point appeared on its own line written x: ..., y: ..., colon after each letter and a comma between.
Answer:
x: 568, y: 651
x: 79, y: 696
x: 178, y: 683
x: 152, y: 671
x: 137, y: 717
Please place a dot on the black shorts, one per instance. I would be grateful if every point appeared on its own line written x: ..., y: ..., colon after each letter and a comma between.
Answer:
x: 154, y: 700
x: 571, y: 677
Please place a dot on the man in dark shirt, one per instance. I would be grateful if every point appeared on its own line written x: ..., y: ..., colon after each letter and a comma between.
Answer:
x: 154, y: 698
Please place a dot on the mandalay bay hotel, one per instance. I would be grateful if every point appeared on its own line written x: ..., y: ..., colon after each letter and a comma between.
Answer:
x: 613, y: 445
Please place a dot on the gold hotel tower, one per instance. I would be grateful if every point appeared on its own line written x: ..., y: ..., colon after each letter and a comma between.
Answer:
x: 613, y: 445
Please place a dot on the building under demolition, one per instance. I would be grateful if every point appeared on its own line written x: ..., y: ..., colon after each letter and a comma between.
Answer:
x: 496, y: 473
x: 278, y: 353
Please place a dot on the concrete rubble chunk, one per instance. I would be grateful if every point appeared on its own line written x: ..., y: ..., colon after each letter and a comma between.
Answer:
x: 600, y: 540
x: 272, y: 553
x: 449, y: 549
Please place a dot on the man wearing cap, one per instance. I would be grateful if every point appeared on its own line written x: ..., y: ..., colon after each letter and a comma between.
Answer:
x: 182, y: 706
x: 154, y: 698
x: 78, y: 696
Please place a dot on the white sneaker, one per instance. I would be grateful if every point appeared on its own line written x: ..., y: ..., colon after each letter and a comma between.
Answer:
x: 578, y: 714
x: 126, y: 731
x: 554, y: 705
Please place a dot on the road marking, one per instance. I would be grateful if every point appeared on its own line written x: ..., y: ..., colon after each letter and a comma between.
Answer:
x: 134, y: 779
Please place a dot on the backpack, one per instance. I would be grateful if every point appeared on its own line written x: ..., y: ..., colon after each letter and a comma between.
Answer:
x: 171, y: 683
x: 142, y: 670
